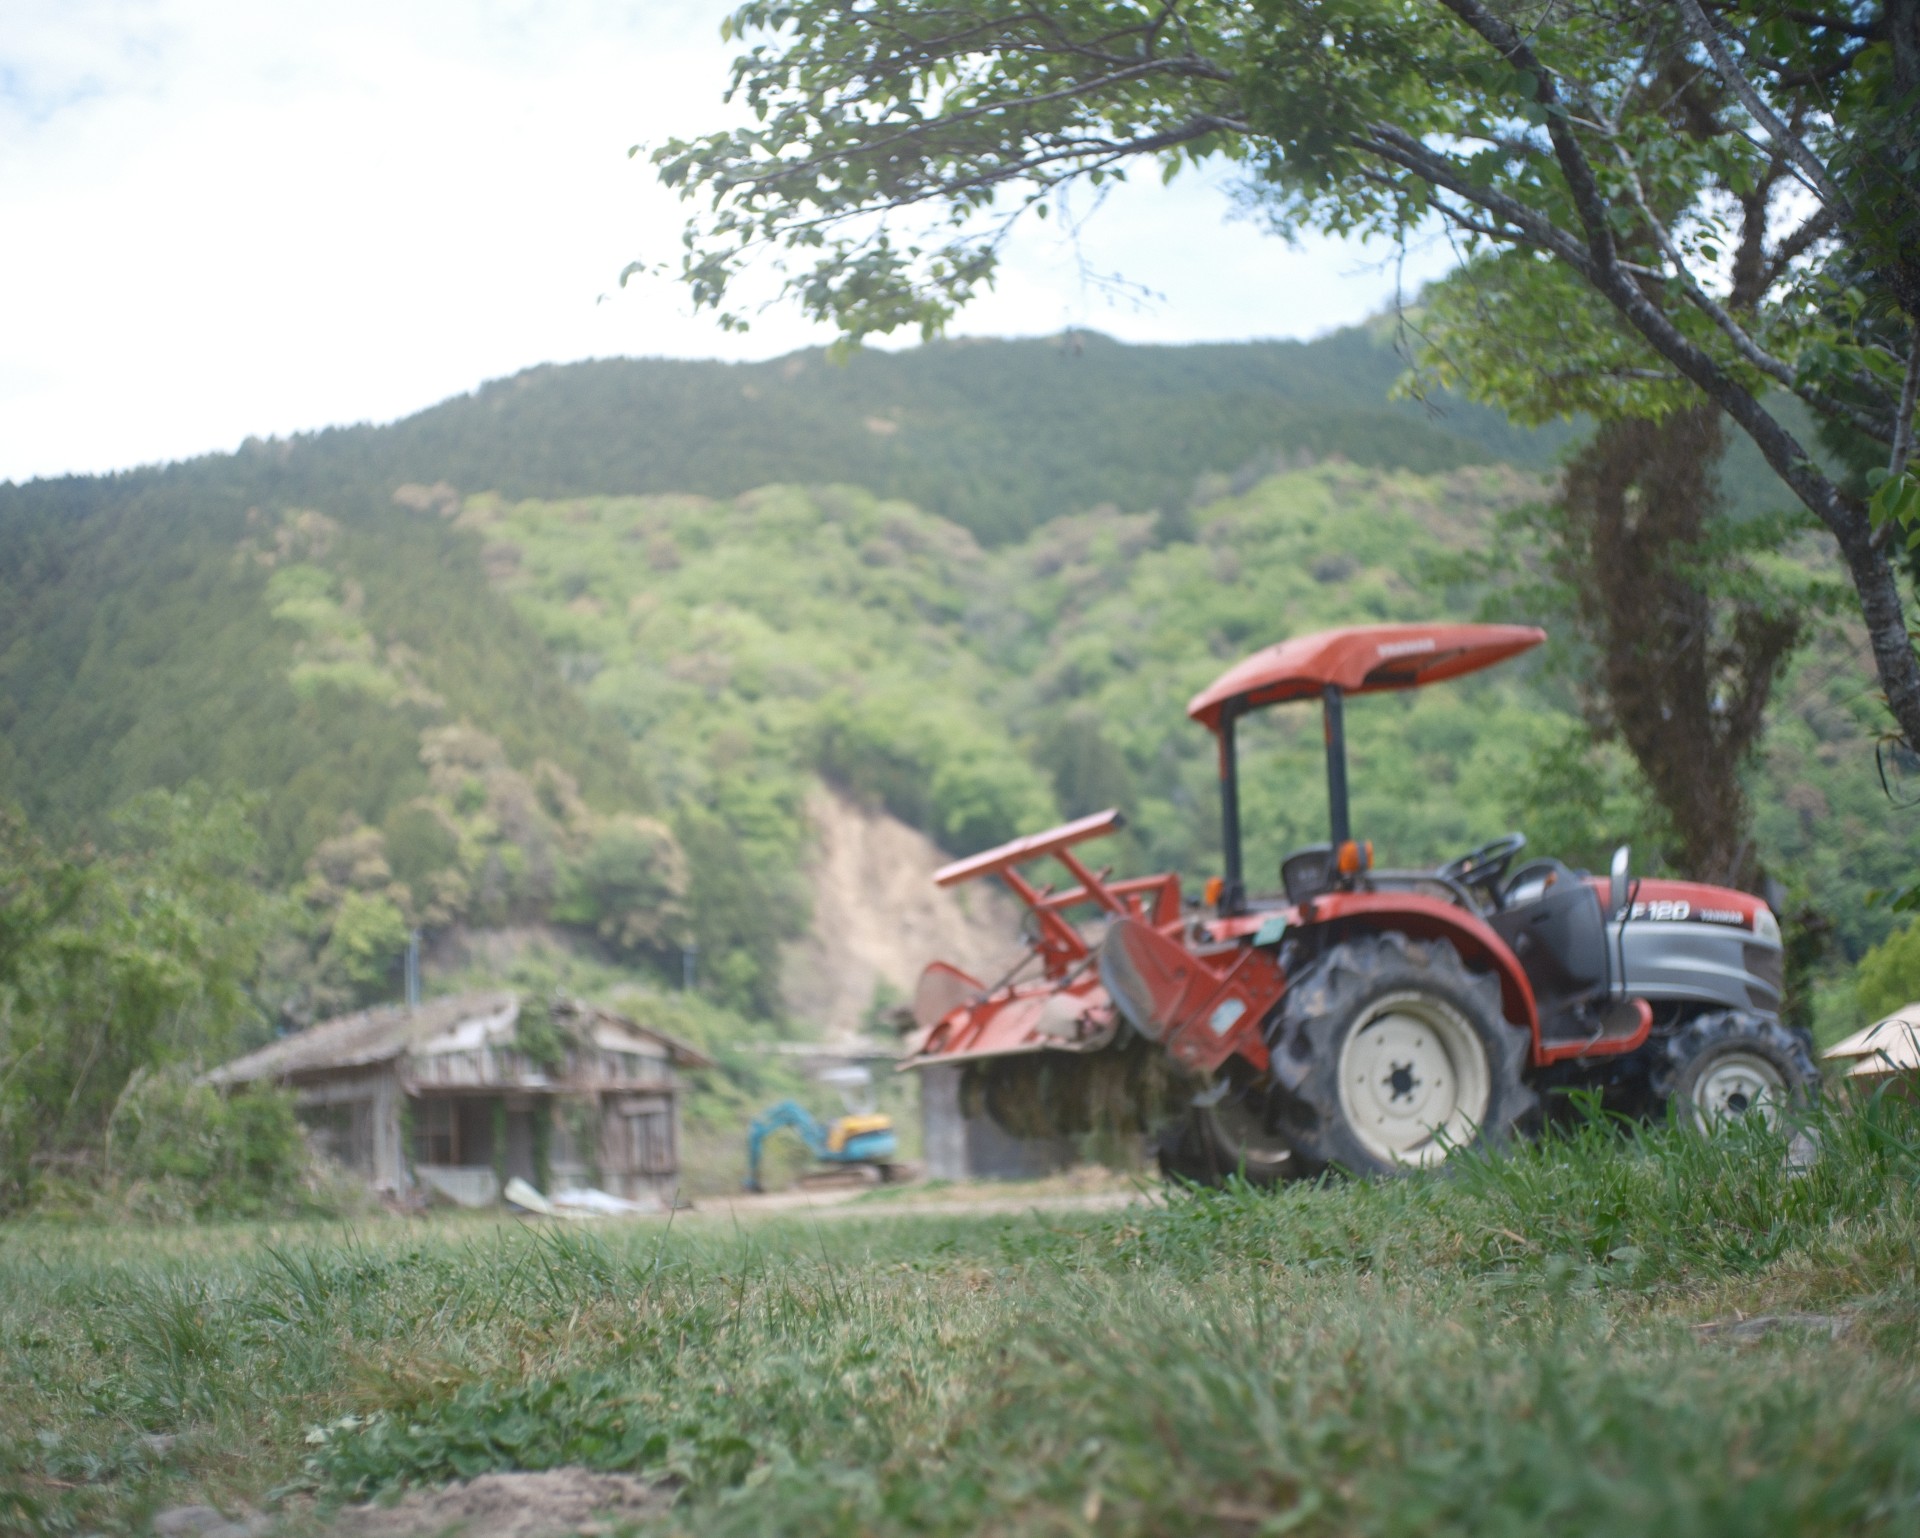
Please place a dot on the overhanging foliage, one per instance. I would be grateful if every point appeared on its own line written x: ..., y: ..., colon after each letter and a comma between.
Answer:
x: 1544, y: 138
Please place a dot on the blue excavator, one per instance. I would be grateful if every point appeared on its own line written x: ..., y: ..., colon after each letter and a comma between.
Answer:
x: 861, y: 1140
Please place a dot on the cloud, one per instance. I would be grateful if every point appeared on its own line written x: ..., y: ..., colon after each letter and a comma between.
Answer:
x: 230, y: 219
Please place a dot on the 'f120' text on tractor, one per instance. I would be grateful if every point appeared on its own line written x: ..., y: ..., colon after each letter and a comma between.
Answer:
x: 1365, y: 1018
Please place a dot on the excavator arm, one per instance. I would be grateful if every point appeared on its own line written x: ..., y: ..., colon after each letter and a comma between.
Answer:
x: 788, y: 1113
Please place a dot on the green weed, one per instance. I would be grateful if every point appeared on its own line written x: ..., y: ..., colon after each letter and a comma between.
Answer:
x: 1506, y: 1346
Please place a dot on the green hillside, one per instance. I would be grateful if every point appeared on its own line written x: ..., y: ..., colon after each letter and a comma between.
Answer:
x: 554, y: 695
x: 159, y: 630
x: 750, y: 644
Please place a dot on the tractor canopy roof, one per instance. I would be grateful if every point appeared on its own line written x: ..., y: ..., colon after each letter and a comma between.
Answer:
x: 1361, y: 659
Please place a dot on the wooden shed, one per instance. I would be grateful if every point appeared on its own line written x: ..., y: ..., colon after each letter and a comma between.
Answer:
x: 461, y: 1094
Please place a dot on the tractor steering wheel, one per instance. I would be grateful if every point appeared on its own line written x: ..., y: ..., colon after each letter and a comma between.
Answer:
x: 1487, y: 864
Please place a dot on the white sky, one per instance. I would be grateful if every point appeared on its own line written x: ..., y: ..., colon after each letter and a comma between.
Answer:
x: 223, y: 218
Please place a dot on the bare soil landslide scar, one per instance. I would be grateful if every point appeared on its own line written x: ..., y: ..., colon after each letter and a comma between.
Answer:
x: 1369, y: 1019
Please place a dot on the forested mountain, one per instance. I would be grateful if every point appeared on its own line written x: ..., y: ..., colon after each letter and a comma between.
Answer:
x: 148, y: 635
x: 997, y: 436
x: 152, y: 632
x: 573, y: 648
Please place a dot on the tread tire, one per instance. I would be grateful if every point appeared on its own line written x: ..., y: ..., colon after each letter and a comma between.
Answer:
x: 1195, y: 1149
x: 1692, y: 1051
x: 1328, y: 998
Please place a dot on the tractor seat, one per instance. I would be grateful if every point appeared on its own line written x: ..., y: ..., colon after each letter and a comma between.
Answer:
x: 1535, y: 880
x: 1309, y: 872
x: 1553, y: 921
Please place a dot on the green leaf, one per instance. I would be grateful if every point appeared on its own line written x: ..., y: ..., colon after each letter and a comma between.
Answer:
x: 1896, y: 500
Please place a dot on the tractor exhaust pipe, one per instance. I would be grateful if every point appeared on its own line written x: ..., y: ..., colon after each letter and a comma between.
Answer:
x: 1233, y: 887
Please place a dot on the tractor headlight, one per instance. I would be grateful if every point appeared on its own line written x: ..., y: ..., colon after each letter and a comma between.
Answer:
x: 1765, y: 926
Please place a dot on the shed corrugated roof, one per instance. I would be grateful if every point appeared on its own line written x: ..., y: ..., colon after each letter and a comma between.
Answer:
x: 683, y: 1053
x: 380, y: 1034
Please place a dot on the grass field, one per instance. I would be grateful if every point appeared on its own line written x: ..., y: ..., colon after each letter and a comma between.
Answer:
x: 1516, y: 1347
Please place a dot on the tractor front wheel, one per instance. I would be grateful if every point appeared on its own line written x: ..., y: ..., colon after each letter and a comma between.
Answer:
x: 1734, y: 1063
x: 1406, y: 1055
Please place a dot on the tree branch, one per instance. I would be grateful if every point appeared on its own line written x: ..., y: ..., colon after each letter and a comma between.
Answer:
x: 1842, y: 24
x: 1702, y: 300
x: 1095, y: 153
x: 1735, y: 79
x: 1766, y: 362
x: 1588, y: 200
x: 1903, y: 424
x: 1797, y: 244
x: 1404, y: 150
x: 1805, y: 77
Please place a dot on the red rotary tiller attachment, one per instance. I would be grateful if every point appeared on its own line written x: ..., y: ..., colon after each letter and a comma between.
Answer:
x: 1052, y: 1001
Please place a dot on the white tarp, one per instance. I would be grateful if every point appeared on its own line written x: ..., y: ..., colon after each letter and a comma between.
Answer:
x: 584, y: 1201
x: 576, y: 1202
x: 463, y: 1185
x: 519, y: 1194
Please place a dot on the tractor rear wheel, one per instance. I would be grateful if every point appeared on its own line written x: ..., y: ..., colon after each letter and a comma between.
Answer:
x: 1732, y: 1063
x: 1407, y: 1057
x: 1208, y: 1145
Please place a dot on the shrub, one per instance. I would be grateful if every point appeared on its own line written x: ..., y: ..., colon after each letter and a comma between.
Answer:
x: 369, y: 936
x: 1889, y: 974
x: 630, y: 886
x: 933, y: 765
x: 175, y: 1147
x: 118, y: 962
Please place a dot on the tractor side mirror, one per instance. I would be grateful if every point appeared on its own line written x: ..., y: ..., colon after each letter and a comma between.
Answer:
x: 1617, y: 892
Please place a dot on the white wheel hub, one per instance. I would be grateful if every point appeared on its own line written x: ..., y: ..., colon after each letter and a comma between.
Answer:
x: 1414, y: 1079
x: 1738, y: 1084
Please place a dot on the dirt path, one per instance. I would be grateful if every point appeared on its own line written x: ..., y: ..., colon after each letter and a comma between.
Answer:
x: 945, y: 1204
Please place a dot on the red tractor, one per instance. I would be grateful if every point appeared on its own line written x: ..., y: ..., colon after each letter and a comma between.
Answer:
x: 1362, y: 1018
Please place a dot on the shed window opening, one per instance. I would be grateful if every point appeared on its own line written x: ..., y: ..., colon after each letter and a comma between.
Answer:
x: 436, y: 1132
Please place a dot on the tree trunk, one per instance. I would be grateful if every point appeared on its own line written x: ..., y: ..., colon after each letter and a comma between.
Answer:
x: 1684, y: 678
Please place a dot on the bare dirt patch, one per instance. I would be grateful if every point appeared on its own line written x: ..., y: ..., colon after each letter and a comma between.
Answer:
x: 878, y: 917
x: 557, y: 1503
